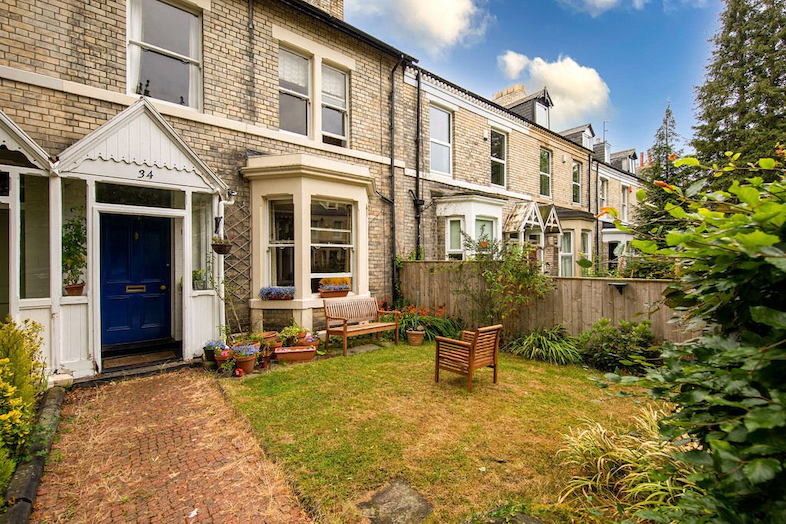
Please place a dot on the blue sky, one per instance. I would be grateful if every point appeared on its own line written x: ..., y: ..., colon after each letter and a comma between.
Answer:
x: 615, y: 60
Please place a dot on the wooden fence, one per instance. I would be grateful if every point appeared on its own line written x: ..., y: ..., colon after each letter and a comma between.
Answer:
x: 575, y: 302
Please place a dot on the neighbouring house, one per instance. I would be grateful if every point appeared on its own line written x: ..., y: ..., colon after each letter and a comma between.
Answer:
x: 318, y: 150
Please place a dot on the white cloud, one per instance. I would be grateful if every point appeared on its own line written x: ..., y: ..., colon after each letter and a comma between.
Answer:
x: 512, y: 64
x: 598, y: 7
x: 578, y: 92
x: 434, y: 25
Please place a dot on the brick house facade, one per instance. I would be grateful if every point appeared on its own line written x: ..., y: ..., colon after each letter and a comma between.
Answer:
x: 268, y: 121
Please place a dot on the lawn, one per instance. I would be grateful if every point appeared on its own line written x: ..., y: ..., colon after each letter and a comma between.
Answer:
x: 343, y: 427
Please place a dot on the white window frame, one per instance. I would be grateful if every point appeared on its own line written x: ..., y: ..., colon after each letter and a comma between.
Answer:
x: 449, y: 144
x: 307, y: 96
x: 603, y: 193
x: 344, y: 110
x: 566, y: 258
x: 134, y: 58
x: 546, y: 174
x: 624, y: 203
x: 350, y: 246
x: 272, y: 245
x: 493, y: 234
x: 576, y: 187
x: 586, y: 233
x: 502, y: 161
x: 451, y: 253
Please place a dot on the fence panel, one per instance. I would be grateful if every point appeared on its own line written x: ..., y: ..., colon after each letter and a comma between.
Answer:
x: 575, y: 302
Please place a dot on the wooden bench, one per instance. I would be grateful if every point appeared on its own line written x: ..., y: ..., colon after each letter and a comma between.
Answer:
x: 348, y: 317
x: 476, y: 349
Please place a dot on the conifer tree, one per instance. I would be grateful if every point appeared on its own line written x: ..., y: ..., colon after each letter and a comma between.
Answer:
x: 742, y: 103
x: 651, y: 219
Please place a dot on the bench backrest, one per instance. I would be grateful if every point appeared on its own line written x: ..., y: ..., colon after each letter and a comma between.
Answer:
x: 354, y: 310
x: 486, y: 342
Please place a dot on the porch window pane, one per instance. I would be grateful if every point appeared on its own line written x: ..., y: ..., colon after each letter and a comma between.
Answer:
x: 455, y: 235
x: 282, y: 240
x: 566, y: 254
x: 484, y: 229
x: 139, y: 196
x: 201, y: 237
x: 34, y: 238
x: 74, y: 231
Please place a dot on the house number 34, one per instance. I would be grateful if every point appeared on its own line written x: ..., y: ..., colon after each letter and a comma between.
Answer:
x: 145, y: 174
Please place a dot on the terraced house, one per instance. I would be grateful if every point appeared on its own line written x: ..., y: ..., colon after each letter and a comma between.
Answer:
x: 162, y: 124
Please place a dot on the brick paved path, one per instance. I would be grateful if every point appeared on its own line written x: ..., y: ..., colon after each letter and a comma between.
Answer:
x: 156, y: 449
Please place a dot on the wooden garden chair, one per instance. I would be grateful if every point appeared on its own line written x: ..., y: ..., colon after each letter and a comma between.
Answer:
x: 476, y: 349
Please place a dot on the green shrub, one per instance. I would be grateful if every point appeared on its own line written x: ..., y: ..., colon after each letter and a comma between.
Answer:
x: 624, y: 471
x: 7, y: 467
x: 553, y: 345
x: 436, y: 323
x: 628, y: 346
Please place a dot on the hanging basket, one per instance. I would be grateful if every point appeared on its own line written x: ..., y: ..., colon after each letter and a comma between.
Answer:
x: 222, y: 249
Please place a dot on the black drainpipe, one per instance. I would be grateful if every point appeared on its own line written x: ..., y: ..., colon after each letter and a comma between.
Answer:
x: 597, y: 222
x: 418, y: 199
x: 392, y: 199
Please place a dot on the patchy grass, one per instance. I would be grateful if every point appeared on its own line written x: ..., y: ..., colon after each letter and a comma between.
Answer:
x: 343, y: 427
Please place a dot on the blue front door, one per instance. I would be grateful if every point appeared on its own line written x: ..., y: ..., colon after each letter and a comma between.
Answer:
x: 135, y: 278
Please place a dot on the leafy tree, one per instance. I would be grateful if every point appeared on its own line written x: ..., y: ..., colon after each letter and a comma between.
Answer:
x: 651, y: 219
x: 742, y: 103
x: 727, y: 386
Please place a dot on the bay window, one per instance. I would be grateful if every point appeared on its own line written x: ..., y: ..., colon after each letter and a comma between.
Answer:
x: 282, y: 242
x: 331, y: 240
x: 164, y: 52
x: 566, y: 254
x: 455, y: 244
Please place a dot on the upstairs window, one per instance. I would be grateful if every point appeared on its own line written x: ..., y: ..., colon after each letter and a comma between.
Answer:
x: 165, y: 52
x: 576, y: 183
x: 624, y: 203
x: 293, y: 92
x: 545, y: 172
x: 334, y: 106
x: 603, y: 193
x: 441, y: 149
x: 499, y: 142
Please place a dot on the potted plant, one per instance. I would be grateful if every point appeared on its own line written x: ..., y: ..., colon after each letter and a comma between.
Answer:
x: 224, y: 359
x: 290, y: 335
x: 74, y: 252
x: 222, y: 245
x: 277, y: 293
x: 245, y: 356
x: 333, y: 290
x: 212, y: 347
x: 415, y: 335
x: 298, y: 345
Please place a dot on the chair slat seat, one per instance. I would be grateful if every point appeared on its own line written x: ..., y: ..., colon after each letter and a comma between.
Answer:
x: 476, y: 349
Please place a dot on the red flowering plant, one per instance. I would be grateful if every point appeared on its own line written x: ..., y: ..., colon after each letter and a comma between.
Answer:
x: 436, y: 322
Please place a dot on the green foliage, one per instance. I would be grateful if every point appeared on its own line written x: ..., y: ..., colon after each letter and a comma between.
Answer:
x: 553, y: 345
x: 624, y: 472
x: 498, y: 279
x: 74, y: 246
x: 629, y: 346
x: 727, y: 386
x: 22, y: 381
x: 740, y: 104
x: 435, y: 323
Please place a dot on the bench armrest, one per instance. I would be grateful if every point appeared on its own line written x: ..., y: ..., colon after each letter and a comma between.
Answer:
x: 450, y: 343
x: 329, y: 318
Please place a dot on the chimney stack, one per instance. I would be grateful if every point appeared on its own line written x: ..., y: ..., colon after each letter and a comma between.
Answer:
x: 510, y: 96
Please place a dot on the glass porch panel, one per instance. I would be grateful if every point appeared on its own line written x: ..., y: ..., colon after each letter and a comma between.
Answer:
x: 282, y: 220
x: 139, y: 196
x: 34, y: 253
x: 201, y: 238
x: 282, y: 265
x: 74, y: 210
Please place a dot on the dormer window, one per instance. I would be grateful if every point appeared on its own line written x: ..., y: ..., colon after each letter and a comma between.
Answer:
x: 542, y: 115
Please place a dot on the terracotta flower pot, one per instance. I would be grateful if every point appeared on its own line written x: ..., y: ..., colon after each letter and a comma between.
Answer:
x: 296, y: 354
x: 220, y: 360
x: 415, y: 337
x: 246, y: 363
x: 74, y: 290
x: 333, y: 293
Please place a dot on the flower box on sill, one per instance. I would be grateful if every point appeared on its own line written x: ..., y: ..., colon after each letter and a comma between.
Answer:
x: 277, y: 293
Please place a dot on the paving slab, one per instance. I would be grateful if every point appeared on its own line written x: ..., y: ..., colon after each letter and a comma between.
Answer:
x: 163, y: 448
x: 365, y: 348
x: 396, y: 503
